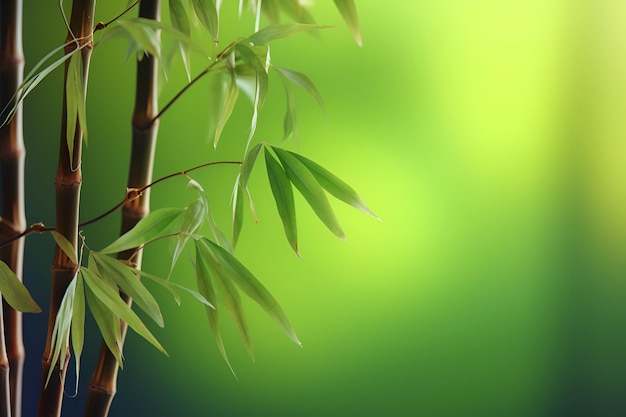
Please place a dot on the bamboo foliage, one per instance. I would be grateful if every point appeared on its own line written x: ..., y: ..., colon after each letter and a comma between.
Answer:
x: 107, y: 281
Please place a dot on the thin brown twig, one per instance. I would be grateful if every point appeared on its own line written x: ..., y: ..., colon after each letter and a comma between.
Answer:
x: 102, y: 25
x: 131, y: 194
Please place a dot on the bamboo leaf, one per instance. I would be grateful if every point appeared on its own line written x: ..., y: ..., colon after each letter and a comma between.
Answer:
x: 297, y: 10
x: 192, y: 218
x: 303, y: 82
x: 281, y: 30
x: 180, y: 22
x: 283, y: 196
x: 335, y: 186
x: 14, y: 292
x: 270, y: 8
x: 65, y: 245
x: 171, y: 287
x: 230, y: 98
x: 237, y: 205
x: 34, y: 78
x: 207, y: 13
x: 145, y: 36
x: 61, y: 330
x: 250, y: 57
x: 248, y: 164
x: 107, y: 322
x: 75, y: 91
x: 78, y: 324
x: 127, y: 281
x: 157, y: 224
x: 111, y: 299
x: 310, y: 189
x: 248, y: 283
x: 225, y: 290
x: 347, y: 9
x: 290, y: 120
x: 206, y: 288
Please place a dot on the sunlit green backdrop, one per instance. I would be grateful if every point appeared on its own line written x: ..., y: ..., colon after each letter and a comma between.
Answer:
x: 490, y: 138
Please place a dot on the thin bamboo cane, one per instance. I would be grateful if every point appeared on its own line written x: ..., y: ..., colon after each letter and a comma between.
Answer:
x: 103, y: 384
x: 12, y: 155
x: 67, y: 182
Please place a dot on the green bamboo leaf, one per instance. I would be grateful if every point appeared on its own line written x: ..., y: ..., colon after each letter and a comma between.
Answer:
x: 290, y: 121
x: 231, y: 93
x: 237, y: 205
x: 33, y: 79
x: 303, y: 82
x: 283, y: 196
x: 347, y: 9
x: 180, y: 22
x: 14, y: 292
x: 207, y: 13
x: 172, y: 286
x: 261, y: 78
x: 78, y: 324
x: 248, y: 283
x: 248, y: 164
x: 72, y: 97
x: 111, y: 299
x: 335, y: 186
x: 145, y: 36
x: 65, y: 245
x: 282, y: 30
x: 271, y: 10
x: 206, y: 288
x: 226, y: 291
x: 61, y: 330
x: 129, y: 283
x: 108, y: 323
x: 310, y: 189
x: 297, y: 10
x: 192, y: 218
x: 158, y: 223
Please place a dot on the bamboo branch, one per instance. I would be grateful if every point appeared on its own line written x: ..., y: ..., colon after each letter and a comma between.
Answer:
x: 103, y: 384
x: 12, y: 155
x: 68, y: 182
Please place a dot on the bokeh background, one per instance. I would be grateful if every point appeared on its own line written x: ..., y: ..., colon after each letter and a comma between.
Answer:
x: 490, y: 138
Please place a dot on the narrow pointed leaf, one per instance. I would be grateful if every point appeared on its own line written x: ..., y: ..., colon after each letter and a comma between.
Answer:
x: 335, y: 186
x: 113, y: 302
x: 310, y: 189
x: 248, y: 283
x: 65, y: 245
x: 270, y: 8
x: 260, y: 92
x: 290, y: 120
x: 192, y: 218
x: 172, y: 286
x: 206, y: 288
x: 72, y: 93
x: 61, y: 330
x: 226, y: 292
x: 108, y: 323
x: 78, y: 324
x: 282, y: 30
x: 303, y: 82
x: 207, y: 14
x: 237, y: 205
x: 14, y: 292
x: 144, y: 35
x: 297, y: 10
x: 129, y: 283
x: 283, y: 196
x: 248, y: 164
x: 231, y: 93
x: 347, y: 8
x: 180, y: 22
x: 157, y: 224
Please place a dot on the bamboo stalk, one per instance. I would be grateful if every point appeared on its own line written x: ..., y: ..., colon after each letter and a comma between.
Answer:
x: 12, y: 155
x: 103, y: 384
x: 67, y: 182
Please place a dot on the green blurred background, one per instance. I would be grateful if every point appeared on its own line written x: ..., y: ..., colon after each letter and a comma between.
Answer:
x: 490, y: 138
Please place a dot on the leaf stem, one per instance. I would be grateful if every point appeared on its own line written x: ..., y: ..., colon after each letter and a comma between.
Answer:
x: 102, y: 25
x: 131, y: 194
x: 204, y: 72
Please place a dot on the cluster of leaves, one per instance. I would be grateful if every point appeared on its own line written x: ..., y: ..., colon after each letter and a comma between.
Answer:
x: 242, y: 65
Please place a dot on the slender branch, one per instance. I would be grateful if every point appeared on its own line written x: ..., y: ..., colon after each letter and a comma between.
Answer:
x: 182, y: 91
x: 102, y: 25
